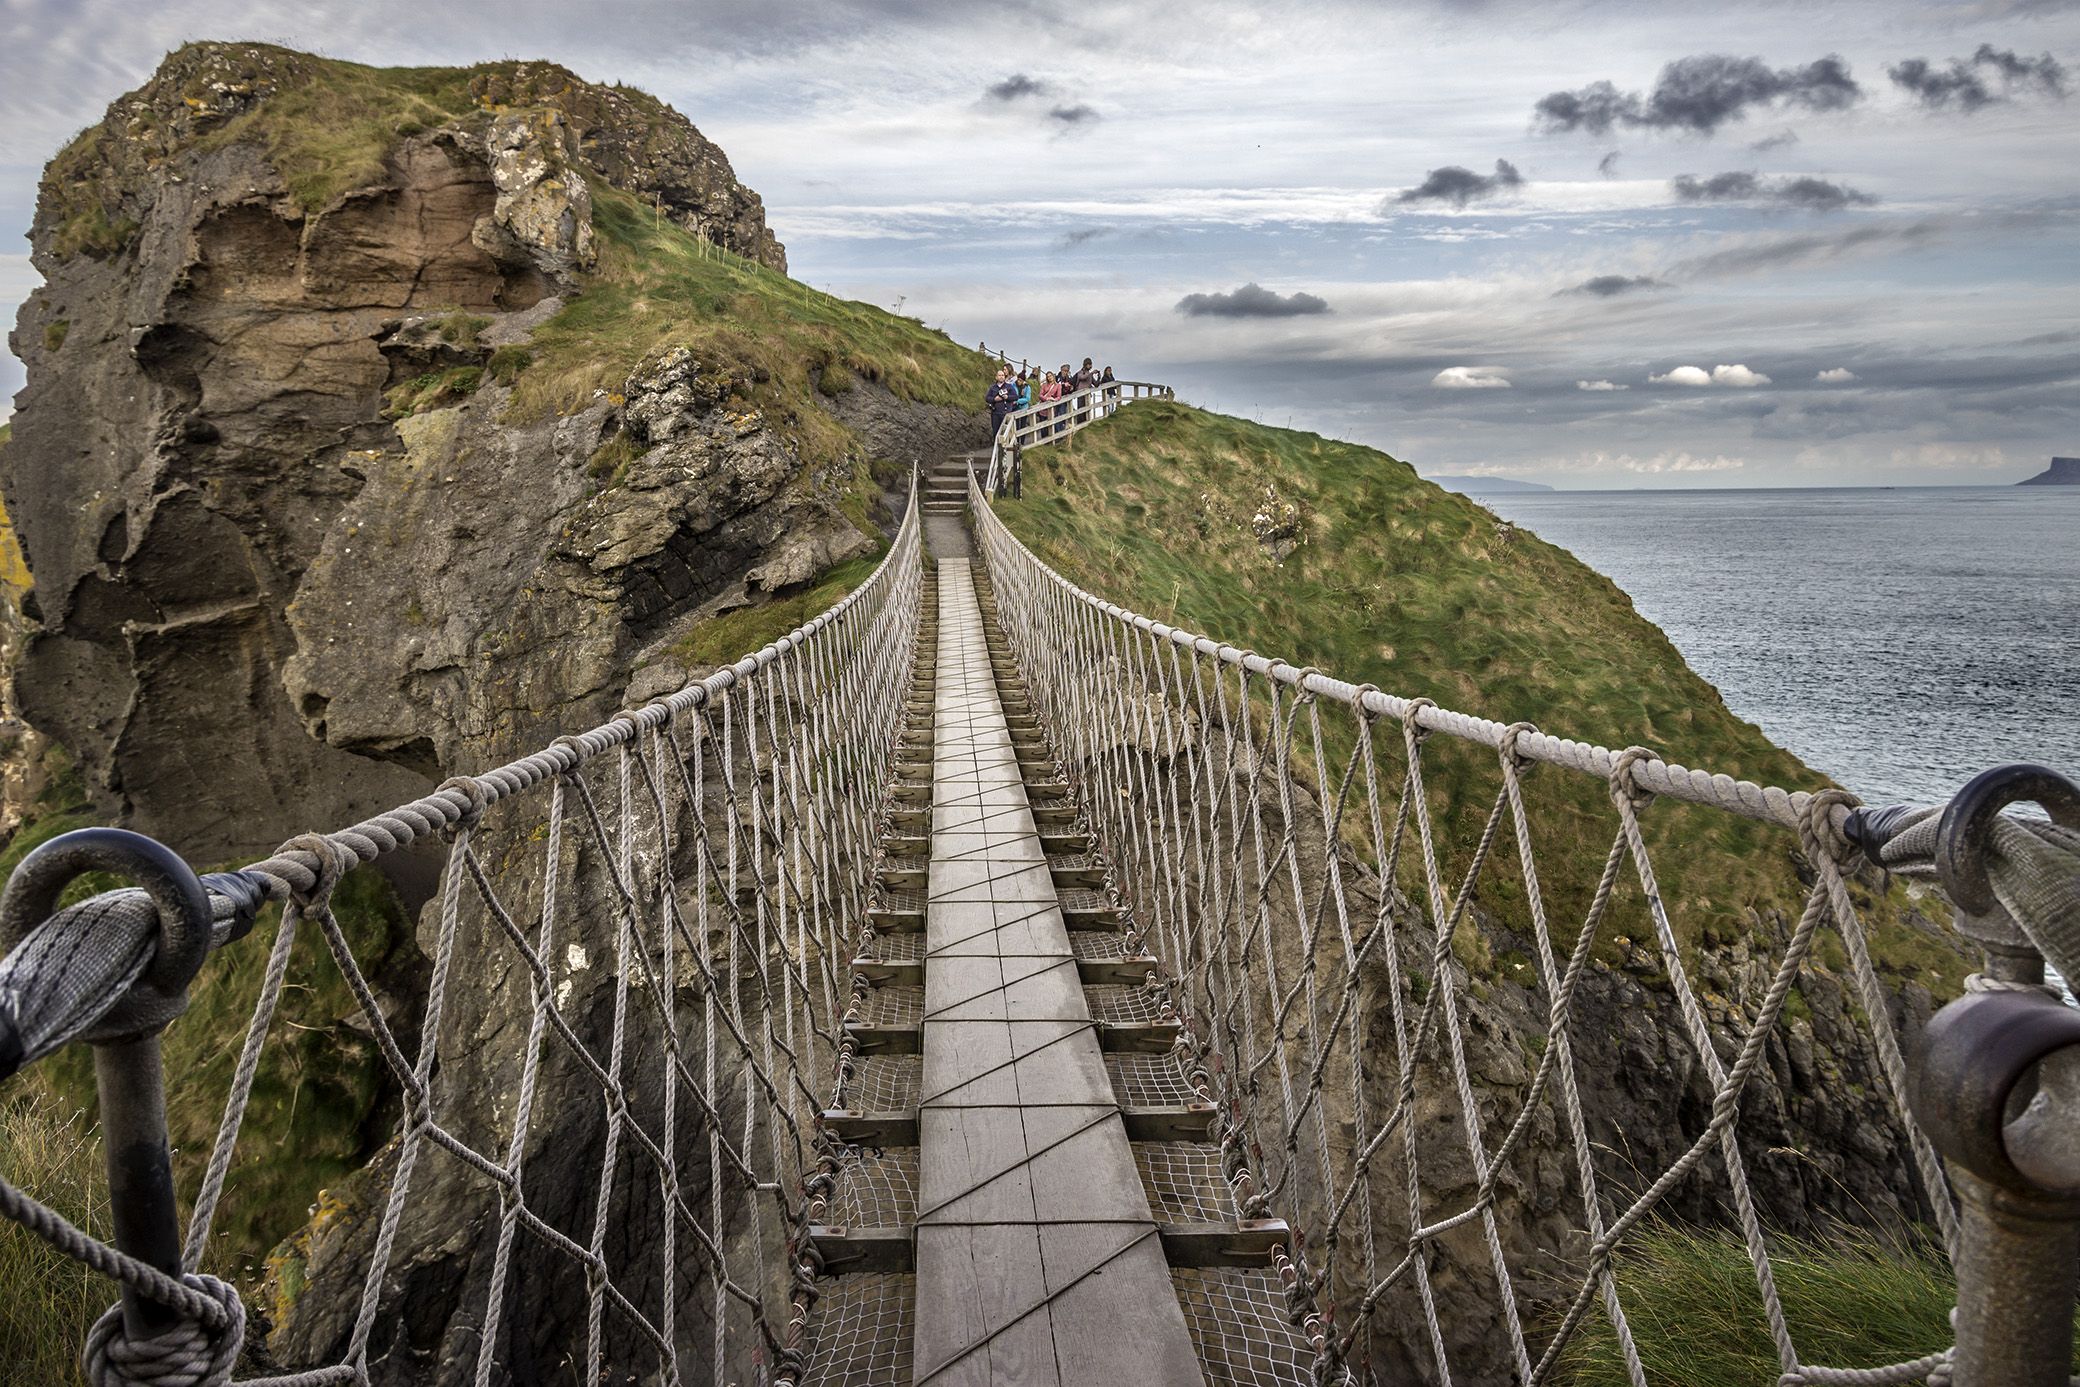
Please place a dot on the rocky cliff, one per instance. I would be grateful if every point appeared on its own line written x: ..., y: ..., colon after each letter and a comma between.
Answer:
x: 314, y: 517
x: 383, y: 425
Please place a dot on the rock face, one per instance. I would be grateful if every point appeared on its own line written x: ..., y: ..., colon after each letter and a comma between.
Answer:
x: 296, y: 556
x: 243, y: 564
x: 2061, y: 472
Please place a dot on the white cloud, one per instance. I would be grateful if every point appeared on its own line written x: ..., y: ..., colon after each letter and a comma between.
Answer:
x: 1599, y: 385
x: 1471, y: 378
x: 1601, y: 463
x: 1835, y: 375
x: 1738, y: 377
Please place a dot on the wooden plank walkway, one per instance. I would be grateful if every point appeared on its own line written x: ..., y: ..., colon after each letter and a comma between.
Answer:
x: 1037, y: 1258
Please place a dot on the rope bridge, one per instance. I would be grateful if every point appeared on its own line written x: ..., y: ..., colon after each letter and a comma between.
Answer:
x: 1351, y: 1173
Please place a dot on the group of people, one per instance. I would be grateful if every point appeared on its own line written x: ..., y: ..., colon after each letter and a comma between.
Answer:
x: 1021, y: 390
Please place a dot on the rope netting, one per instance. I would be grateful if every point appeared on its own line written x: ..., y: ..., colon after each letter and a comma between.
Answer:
x: 675, y: 897
x: 1271, y: 832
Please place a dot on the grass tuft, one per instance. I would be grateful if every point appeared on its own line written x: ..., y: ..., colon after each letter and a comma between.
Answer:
x: 1854, y: 1300
x: 50, y: 1148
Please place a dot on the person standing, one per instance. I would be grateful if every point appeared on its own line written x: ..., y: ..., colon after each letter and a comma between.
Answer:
x: 1000, y: 398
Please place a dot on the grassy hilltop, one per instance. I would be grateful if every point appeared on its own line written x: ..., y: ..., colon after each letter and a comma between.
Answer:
x: 1338, y: 556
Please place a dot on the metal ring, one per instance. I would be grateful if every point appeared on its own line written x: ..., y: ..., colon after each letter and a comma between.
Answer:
x: 1961, y: 836
x: 32, y: 896
x: 1973, y: 1054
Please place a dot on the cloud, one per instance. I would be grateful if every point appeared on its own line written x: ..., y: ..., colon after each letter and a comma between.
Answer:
x: 1599, y: 385
x: 1699, y: 94
x: 1252, y: 300
x: 1966, y: 82
x: 1017, y: 86
x: 1739, y: 377
x: 1682, y: 375
x: 1073, y: 116
x: 1471, y: 378
x: 1835, y: 375
x: 1806, y: 192
x: 1659, y: 464
x: 1608, y: 164
x: 1777, y: 141
x: 1610, y: 286
x: 1459, y: 186
x: 1806, y: 249
x: 1080, y: 236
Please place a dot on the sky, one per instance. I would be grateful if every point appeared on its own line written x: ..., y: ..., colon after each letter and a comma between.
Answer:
x: 1606, y: 244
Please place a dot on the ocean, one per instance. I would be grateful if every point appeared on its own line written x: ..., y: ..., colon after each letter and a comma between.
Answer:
x: 1899, y: 639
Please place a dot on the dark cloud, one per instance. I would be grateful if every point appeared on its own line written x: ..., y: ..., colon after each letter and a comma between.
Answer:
x: 1460, y: 186
x: 1608, y: 164
x: 1776, y: 141
x: 1967, y: 82
x: 1700, y: 94
x: 1252, y: 300
x: 1610, y: 286
x: 1073, y: 116
x: 1080, y: 236
x: 1017, y: 86
x: 1811, y: 194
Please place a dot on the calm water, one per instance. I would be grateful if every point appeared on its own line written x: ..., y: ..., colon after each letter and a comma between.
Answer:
x: 1900, y: 640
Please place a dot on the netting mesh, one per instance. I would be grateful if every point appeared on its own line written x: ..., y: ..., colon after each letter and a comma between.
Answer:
x: 1238, y: 1322
x: 1272, y: 835
x: 1150, y: 1081
x: 863, y: 1326
x: 876, y: 1187
x: 661, y: 903
x: 1184, y: 1181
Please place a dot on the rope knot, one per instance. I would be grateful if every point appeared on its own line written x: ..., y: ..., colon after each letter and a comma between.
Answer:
x: 188, y: 1354
x: 1824, y: 813
x: 1511, y: 734
x: 333, y: 861
x: 1417, y: 733
x: 1366, y: 715
x: 471, y: 789
x: 1625, y: 788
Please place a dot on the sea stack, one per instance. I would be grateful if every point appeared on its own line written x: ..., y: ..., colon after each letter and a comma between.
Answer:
x: 2061, y: 472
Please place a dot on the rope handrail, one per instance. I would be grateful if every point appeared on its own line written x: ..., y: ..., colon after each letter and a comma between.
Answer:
x: 1263, y: 848
x: 731, y: 824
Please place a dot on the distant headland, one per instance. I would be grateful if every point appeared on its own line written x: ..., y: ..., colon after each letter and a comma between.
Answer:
x: 2061, y: 472
x: 1474, y: 484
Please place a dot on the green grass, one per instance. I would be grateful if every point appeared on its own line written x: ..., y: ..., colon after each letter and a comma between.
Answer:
x: 54, y: 334
x: 433, y: 390
x: 766, y: 343
x: 737, y: 634
x: 48, y: 1147
x: 1853, y: 1301
x: 1401, y: 584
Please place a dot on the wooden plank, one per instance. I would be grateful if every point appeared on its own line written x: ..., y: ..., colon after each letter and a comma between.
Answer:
x: 1249, y: 1243
x: 1176, y: 1122
x: 862, y: 1249
x: 875, y: 1128
x: 885, y: 1040
x: 1130, y: 970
